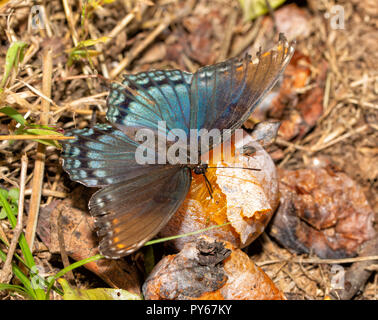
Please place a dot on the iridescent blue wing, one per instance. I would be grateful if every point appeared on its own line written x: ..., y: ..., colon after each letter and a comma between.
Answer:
x: 131, y: 212
x: 144, y: 99
x: 225, y: 94
x: 220, y: 96
x: 136, y: 201
x: 101, y: 156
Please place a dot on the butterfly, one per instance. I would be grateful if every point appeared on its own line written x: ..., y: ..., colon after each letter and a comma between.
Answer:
x: 136, y: 200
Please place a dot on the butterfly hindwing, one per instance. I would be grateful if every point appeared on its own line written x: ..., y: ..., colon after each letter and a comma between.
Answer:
x: 130, y: 213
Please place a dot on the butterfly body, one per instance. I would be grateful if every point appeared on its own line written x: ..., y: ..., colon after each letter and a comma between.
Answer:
x: 137, y: 199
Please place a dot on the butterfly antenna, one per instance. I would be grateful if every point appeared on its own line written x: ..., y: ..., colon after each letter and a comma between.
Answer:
x: 252, y: 169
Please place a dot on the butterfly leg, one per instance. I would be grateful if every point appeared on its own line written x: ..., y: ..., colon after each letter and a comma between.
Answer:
x: 208, y: 185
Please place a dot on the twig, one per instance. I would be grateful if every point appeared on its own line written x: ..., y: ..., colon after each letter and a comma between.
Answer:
x: 319, y: 261
x: 54, y: 186
x: 19, y: 100
x: 137, y: 50
x: 99, y: 48
x: 71, y: 23
x: 69, y: 108
x: 271, y: 13
x: 6, y: 273
x: 78, y: 76
x: 364, y: 104
x: 39, y: 93
x: 285, y: 143
x: 125, y: 62
x: 74, y: 35
x: 33, y: 137
x: 3, y: 236
x: 250, y: 38
x: 86, y: 100
x: 339, y: 139
x: 62, y: 247
x: 357, y: 274
x: 373, y: 267
x: 228, y: 36
x: 320, y: 282
x: 296, y: 282
x: 120, y: 26
x: 48, y: 193
x: 188, y: 63
x: 40, y: 157
x: 327, y: 91
x: 10, y: 181
x: 363, y: 81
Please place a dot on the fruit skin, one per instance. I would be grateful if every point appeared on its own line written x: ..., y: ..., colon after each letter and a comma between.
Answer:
x: 244, y: 198
x: 222, y: 272
x: 323, y: 212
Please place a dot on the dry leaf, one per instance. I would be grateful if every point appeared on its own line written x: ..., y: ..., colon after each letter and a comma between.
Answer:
x: 80, y: 241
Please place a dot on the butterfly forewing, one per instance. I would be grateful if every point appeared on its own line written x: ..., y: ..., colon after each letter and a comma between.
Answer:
x: 224, y: 95
x: 262, y: 76
x: 214, y: 89
x: 130, y: 213
x: 144, y: 99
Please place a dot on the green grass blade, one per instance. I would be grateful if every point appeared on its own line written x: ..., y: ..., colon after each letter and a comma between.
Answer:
x: 29, y: 259
x: 41, y: 132
x: 21, y: 276
x: 70, y: 268
x: 15, y: 55
x: 184, y: 235
x: 12, y: 287
x: 25, y: 280
x: 14, y: 114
